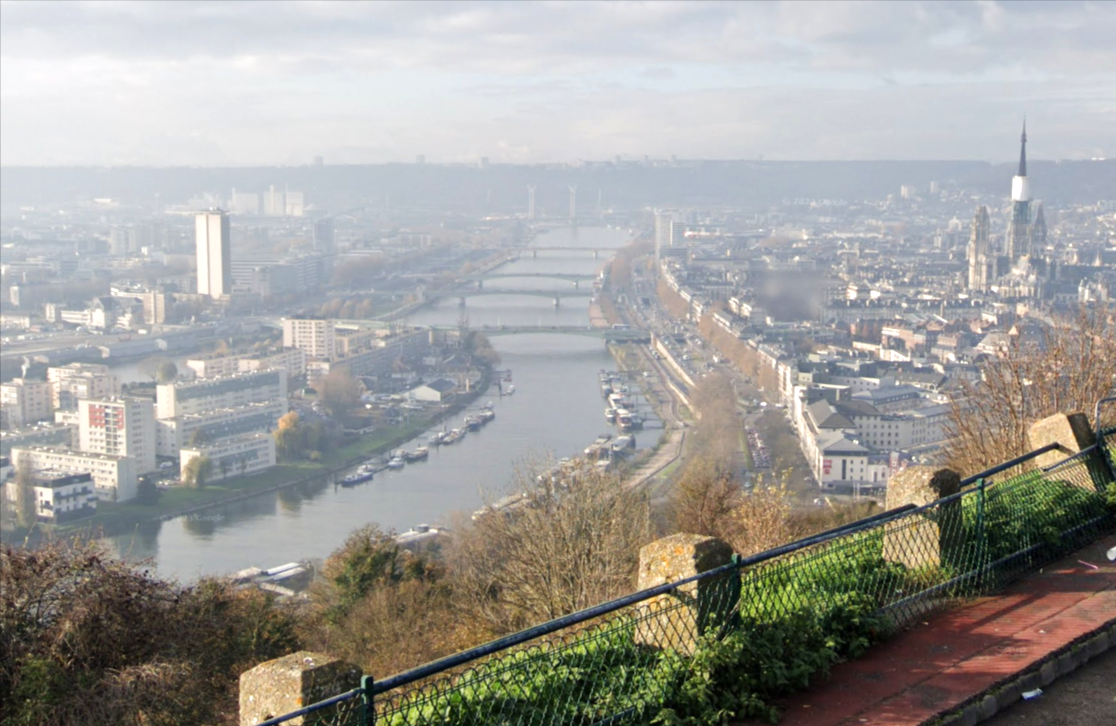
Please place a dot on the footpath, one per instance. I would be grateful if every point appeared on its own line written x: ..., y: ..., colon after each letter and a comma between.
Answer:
x: 964, y: 665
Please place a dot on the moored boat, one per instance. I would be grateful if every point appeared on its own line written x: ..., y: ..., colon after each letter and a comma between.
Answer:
x: 417, y: 455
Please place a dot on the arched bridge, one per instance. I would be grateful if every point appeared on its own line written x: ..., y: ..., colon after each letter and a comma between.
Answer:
x: 463, y: 295
x: 608, y: 334
x: 571, y: 276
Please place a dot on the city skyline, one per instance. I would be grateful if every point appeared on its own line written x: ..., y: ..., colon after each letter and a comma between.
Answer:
x: 374, y: 83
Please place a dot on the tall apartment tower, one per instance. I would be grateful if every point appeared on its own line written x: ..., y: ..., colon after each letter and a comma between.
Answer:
x: 978, y: 251
x: 530, y: 201
x: 119, y: 427
x: 665, y: 220
x: 573, y: 203
x: 214, y: 254
x: 1018, y: 240
x: 323, y: 236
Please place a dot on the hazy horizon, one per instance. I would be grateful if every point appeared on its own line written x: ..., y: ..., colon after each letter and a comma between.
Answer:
x: 238, y: 84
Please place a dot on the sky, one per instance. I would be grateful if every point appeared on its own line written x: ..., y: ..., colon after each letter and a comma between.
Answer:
x: 277, y: 83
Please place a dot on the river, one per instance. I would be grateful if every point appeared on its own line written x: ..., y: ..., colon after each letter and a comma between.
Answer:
x: 556, y: 410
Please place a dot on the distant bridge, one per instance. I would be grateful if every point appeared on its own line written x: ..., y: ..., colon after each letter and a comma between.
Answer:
x: 595, y: 251
x: 571, y: 276
x: 608, y: 334
x: 463, y: 295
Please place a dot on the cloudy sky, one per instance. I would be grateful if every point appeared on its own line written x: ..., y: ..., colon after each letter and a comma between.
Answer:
x: 237, y: 83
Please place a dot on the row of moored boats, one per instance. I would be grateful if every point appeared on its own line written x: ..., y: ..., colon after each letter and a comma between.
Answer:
x: 367, y: 471
x: 620, y: 409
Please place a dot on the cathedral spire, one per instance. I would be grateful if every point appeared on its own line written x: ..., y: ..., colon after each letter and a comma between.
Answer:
x: 1023, y: 150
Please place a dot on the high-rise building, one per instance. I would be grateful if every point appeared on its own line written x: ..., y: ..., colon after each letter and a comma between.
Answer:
x: 573, y: 203
x: 1017, y: 242
x: 317, y: 337
x: 79, y: 381
x: 214, y: 254
x: 24, y: 401
x: 978, y: 251
x: 274, y: 202
x: 665, y: 220
x: 530, y: 201
x: 323, y: 236
x: 119, y: 427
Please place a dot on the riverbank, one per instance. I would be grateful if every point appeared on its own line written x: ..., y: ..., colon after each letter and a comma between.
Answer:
x: 117, y: 518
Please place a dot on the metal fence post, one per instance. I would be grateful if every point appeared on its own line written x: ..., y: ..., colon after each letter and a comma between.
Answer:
x: 367, y: 701
x: 982, y: 546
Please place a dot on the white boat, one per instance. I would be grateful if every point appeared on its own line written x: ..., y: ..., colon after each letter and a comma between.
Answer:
x: 396, y: 462
x: 418, y: 454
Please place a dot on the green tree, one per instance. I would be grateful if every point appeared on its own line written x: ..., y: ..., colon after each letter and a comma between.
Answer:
x: 338, y: 393
x: 197, y: 471
x: 166, y: 372
x: 198, y: 437
x: 370, y: 558
x: 146, y: 492
x: 289, y: 439
x: 26, y: 508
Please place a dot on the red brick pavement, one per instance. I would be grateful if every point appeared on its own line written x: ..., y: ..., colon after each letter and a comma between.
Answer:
x: 959, y: 654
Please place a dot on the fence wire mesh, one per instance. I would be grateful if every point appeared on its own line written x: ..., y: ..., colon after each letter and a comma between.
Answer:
x: 841, y: 593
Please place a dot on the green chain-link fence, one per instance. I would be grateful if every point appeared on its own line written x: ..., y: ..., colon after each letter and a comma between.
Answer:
x: 763, y: 625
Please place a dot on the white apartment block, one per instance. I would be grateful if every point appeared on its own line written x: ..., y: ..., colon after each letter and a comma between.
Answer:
x: 317, y: 337
x: 214, y: 253
x: 174, y: 434
x: 209, y: 394
x: 119, y: 427
x: 77, y: 381
x: 216, y: 365
x: 114, y: 477
x: 24, y: 401
x: 60, y: 496
x: 242, y: 455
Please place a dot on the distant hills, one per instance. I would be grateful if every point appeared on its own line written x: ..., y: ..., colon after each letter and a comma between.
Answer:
x: 502, y: 188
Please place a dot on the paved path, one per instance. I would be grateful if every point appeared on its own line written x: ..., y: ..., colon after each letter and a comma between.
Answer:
x: 957, y: 657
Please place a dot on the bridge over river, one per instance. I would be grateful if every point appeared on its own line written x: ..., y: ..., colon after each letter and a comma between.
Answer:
x: 607, y: 334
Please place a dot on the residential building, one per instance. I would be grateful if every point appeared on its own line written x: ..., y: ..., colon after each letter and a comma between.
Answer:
x: 209, y: 394
x: 24, y: 401
x: 241, y: 455
x: 317, y: 337
x: 120, y: 427
x: 216, y: 365
x: 60, y: 496
x: 80, y: 381
x: 43, y: 434
x: 173, y: 434
x: 214, y: 253
x: 114, y: 477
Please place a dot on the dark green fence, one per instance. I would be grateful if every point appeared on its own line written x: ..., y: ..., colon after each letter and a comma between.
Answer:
x: 759, y: 627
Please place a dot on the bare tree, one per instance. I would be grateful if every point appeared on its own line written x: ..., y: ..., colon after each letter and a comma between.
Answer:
x: 1064, y: 368
x: 571, y: 542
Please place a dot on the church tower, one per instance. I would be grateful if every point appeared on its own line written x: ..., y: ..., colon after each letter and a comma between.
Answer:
x: 1017, y: 242
x: 978, y: 251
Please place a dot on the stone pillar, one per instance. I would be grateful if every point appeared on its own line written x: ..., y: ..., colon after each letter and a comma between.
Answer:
x: 676, y: 620
x: 286, y: 684
x: 1072, y: 433
x: 928, y: 539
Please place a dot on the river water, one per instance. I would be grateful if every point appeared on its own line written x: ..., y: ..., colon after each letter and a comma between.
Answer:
x: 556, y: 411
